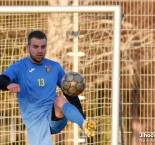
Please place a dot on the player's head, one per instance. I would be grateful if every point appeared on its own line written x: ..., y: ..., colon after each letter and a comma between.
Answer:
x: 37, y: 43
x: 36, y: 34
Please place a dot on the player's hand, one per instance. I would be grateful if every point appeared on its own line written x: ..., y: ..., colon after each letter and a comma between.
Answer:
x: 14, y: 88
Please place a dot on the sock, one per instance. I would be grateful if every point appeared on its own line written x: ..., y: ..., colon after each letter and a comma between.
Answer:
x: 72, y: 114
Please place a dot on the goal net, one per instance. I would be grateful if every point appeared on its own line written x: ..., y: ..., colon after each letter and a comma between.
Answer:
x: 83, y: 39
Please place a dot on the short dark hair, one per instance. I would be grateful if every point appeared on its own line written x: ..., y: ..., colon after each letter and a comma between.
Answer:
x: 36, y: 34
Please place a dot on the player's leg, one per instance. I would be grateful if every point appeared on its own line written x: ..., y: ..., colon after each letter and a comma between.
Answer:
x: 57, y: 123
x: 39, y: 133
x: 65, y: 109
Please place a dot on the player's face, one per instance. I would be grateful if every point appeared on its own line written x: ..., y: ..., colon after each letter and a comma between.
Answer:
x: 37, y: 50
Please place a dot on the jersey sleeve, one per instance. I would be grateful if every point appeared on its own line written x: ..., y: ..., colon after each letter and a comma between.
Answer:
x: 12, y: 72
x: 61, y: 74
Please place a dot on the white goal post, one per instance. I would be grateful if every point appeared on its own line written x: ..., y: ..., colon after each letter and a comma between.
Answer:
x: 116, y: 46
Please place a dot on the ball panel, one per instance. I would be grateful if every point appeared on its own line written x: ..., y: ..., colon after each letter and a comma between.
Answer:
x: 72, y: 90
x: 65, y: 85
x: 79, y: 87
x: 69, y: 77
x: 78, y: 78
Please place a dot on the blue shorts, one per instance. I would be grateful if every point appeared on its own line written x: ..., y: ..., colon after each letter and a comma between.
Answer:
x: 40, y: 133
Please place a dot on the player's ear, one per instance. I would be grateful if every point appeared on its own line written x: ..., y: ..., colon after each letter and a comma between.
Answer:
x: 28, y: 48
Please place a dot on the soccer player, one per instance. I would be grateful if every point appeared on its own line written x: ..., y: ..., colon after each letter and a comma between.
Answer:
x: 35, y: 79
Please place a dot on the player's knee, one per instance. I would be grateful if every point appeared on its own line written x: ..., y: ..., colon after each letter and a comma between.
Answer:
x: 58, y: 104
x: 60, y: 101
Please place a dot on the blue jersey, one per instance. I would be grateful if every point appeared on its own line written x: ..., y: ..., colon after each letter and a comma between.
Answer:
x: 38, y: 84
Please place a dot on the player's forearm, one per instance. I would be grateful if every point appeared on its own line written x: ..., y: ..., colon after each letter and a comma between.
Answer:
x: 4, y: 82
x: 76, y: 102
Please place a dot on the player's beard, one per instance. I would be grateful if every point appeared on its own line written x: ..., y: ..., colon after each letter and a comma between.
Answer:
x: 37, y: 59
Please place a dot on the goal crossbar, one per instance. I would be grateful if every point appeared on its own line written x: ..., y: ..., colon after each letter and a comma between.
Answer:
x: 57, y: 9
x: 116, y: 46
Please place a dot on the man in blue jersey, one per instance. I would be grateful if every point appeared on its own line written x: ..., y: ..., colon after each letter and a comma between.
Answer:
x: 35, y: 79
